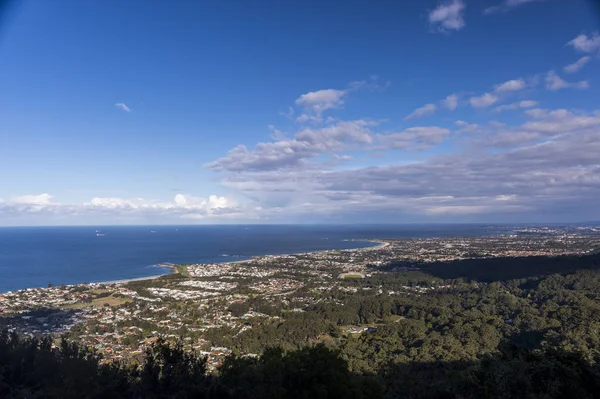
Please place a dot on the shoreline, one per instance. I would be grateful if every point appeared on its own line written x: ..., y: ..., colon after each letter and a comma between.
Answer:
x: 379, y: 244
x: 128, y: 280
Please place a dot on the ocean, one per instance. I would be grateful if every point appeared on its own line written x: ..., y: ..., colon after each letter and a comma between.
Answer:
x: 33, y: 257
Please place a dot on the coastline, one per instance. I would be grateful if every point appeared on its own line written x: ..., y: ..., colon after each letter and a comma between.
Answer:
x: 128, y: 280
x: 380, y: 244
x: 174, y: 267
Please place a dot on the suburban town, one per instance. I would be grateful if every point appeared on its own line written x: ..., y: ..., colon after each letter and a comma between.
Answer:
x: 197, y: 302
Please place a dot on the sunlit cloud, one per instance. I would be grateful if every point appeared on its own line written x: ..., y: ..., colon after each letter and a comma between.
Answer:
x: 123, y: 107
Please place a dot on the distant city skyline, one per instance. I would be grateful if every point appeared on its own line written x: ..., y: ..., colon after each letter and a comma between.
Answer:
x: 268, y: 112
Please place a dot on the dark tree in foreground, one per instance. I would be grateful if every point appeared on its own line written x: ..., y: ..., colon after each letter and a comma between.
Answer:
x: 32, y: 368
x: 314, y: 372
x: 170, y: 371
x: 516, y: 372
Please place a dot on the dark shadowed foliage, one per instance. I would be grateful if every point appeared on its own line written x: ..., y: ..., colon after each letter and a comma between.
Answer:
x: 315, y: 372
x: 31, y: 368
x: 505, y: 268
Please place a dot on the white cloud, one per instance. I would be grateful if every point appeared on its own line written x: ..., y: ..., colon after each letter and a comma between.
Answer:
x: 500, y: 92
x: 465, y: 127
x: 507, y: 5
x: 314, y: 103
x: 277, y: 134
x: 550, y: 162
x: 511, y: 197
x: 343, y: 157
x: 528, y: 103
x: 213, y: 202
x: 586, y: 44
x: 517, y: 105
x: 303, y: 118
x: 275, y: 155
x: 533, y: 167
x: 514, y: 3
x: 577, y: 65
x: 559, y: 121
x: 321, y: 100
x: 545, y: 125
x: 537, y: 113
x: 123, y: 106
x: 308, y: 143
x: 139, y: 209
x: 180, y: 205
x: 342, y: 131
x: 483, y: 101
x: 511, y: 85
x: 451, y: 102
x: 470, y: 209
x: 415, y: 138
x: 555, y: 82
x: 448, y: 16
x: 425, y: 110
x: 115, y: 203
x: 372, y: 84
x: 216, y: 202
x: 41, y: 199
x: 524, y: 181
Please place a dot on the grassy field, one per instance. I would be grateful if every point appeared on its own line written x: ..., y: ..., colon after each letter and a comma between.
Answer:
x: 182, y: 269
x: 351, y: 275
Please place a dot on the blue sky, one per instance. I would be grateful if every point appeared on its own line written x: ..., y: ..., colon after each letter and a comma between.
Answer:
x: 117, y: 112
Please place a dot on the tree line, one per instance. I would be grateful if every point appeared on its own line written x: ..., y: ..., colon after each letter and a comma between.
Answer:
x: 32, y: 368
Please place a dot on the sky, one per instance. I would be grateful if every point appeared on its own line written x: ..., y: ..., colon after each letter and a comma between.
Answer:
x: 208, y: 112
